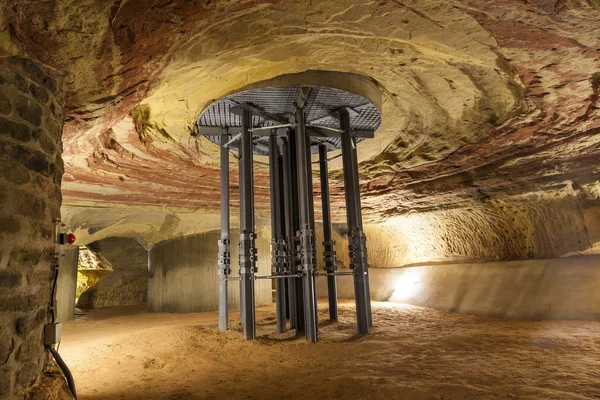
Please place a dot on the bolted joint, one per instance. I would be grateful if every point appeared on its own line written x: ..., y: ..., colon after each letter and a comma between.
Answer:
x: 247, y: 254
x: 278, y: 255
x: 307, y: 249
x: 293, y: 255
x: 224, y: 257
x: 357, y: 248
x: 329, y: 255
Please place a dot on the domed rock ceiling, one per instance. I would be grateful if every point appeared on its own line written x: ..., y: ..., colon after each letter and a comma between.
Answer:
x: 490, y: 115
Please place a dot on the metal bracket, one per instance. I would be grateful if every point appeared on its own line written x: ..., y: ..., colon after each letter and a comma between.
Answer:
x: 351, y: 112
x: 233, y: 140
x: 329, y: 256
x: 224, y: 257
x: 357, y: 248
x: 278, y: 255
x: 247, y: 253
x: 238, y: 109
x: 307, y: 249
x: 293, y: 254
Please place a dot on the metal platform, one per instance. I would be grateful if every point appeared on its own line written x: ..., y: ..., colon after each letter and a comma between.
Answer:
x: 275, y: 108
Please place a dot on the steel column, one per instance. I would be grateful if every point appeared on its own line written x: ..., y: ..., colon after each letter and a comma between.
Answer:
x: 328, y: 242
x: 306, y: 232
x: 295, y: 239
x: 356, y: 238
x: 277, y: 241
x: 283, y: 227
x: 362, y: 237
x: 241, y: 191
x: 290, y: 216
x: 247, y: 255
x: 224, y: 243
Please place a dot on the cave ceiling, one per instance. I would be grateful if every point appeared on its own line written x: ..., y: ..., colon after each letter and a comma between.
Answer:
x: 480, y: 100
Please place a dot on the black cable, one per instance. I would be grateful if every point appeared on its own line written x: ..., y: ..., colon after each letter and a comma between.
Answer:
x: 65, y: 370
x: 57, y: 357
x: 52, y: 302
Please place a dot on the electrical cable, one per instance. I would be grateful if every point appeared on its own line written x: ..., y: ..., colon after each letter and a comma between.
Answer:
x: 52, y: 303
x: 63, y: 366
x: 65, y: 370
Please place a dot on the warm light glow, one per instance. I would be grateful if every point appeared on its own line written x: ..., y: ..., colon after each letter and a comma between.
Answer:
x: 407, y: 285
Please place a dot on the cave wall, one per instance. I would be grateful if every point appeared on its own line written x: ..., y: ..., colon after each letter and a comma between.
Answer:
x: 565, y: 288
x: 184, y: 274
x: 127, y: 284
x: 31, y: 118
x: 118, y: 288
x: 66, y: 285
x: 122, y: 253
x: 536, y: 226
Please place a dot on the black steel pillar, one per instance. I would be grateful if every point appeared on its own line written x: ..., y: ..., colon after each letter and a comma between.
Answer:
x: 306, y: 232
x: 224, y: 243
x: 277, y: 241
x: 328, y: 242
x: 241, y: 190
x: 357, y: 245
x: 291, y: 221
x: 285, y: 287
x: 247, y: 254
x: 361, y: 238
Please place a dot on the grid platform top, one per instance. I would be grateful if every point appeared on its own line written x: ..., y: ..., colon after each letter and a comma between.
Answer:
x: 276, y: 106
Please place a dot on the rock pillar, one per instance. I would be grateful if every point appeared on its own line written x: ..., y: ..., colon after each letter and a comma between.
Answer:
x: 31, y: 168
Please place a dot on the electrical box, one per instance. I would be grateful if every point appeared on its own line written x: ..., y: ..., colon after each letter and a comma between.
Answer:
x: 52, y: 333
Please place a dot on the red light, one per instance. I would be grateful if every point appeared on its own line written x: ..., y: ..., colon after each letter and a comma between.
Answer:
x: 70, y: 238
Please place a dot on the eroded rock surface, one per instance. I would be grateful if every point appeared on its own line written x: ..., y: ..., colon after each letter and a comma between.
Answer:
x: 126, y: 284
x: 486, y: 105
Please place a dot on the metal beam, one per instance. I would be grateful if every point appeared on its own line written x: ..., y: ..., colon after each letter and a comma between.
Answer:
x: 356, y: 237
x: 224, y: 243
x: 233, y: 140
x: 240, y: 108
x: 283, y: 225
x: 290, y: 217
x: 295, y: 239
x: 241, y: 190
x: 277, y: 240
x: 306, y: 232
x: 328, y: 242
x: 312, y: 131
x: 247, y: 251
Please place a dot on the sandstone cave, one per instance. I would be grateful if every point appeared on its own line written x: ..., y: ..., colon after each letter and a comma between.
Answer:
x: 227, y: 199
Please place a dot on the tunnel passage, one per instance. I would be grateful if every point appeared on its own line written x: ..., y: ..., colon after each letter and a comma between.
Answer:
x: 121, y: 278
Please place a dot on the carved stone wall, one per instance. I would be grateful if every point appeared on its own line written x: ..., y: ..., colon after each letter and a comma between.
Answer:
x: 31, y: 169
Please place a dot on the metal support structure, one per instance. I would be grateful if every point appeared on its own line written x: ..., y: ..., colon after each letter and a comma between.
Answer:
x: 277, y: 239
x: 306, y: 231
x: 241, y: 190
x: 224, y: 243
x: 306, y: 116
x: 247, y: 254
x: 357, y: 245
x: 328, y: 242
x: 291, y: 218
x: 286, y: 272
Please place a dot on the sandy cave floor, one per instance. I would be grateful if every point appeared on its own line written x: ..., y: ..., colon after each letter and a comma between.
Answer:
x: 412, y: 353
